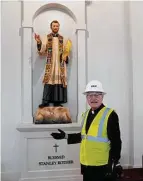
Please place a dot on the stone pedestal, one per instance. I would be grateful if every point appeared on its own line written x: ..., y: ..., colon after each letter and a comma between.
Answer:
x: 46, y: 159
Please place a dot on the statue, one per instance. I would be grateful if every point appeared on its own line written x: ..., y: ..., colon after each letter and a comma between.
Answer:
x: 57, y: 51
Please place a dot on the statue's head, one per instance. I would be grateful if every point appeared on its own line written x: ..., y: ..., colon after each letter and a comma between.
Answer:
x: 55, y: 25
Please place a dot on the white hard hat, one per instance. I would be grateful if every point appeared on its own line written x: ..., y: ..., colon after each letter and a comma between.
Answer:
x: 94, y: 86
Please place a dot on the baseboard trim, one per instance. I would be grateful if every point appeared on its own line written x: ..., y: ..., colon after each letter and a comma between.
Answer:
x: 10, y: 176
x: 137, y: 166
x: 127, y: 166
x: 64, y: 178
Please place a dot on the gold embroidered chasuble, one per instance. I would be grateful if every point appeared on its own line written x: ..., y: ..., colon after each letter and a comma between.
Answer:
x: 56, y: 49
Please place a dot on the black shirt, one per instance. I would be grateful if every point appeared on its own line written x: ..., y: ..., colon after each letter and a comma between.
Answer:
x: 113, y: 132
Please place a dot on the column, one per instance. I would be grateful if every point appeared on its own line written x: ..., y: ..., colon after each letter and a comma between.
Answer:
x: 27, y: 76
x: 82, y: 74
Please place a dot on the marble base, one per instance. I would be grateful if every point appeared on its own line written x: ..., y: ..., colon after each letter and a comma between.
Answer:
x: 46, y: 159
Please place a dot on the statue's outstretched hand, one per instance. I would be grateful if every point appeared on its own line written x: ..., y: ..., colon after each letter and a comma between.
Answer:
x: 59, y: 136
x: 37, y: 38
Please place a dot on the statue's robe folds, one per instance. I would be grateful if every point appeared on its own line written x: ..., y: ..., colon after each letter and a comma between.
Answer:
x: 57, y: 50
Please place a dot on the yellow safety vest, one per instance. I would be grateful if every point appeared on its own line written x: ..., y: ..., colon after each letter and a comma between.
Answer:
x: 95, y: 145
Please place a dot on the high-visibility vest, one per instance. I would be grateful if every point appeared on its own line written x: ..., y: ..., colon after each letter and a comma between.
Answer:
x: 95, y: 145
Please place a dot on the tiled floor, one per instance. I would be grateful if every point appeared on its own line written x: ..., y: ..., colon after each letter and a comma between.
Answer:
x: 133, y: 175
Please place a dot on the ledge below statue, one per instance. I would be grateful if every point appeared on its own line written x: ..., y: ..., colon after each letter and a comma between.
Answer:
x: 30, y: 127
x: 52, y: 115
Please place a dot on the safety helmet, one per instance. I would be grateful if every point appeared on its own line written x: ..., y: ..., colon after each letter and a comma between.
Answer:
x: 94, y: 86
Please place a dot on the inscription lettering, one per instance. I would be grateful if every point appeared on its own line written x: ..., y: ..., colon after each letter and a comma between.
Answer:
x: 47, y: 163
x: 57, y: 162
x: 56, y: 157
x: 65, y: 162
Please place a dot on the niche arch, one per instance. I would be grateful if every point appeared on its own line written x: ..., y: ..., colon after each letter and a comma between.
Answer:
x: 55, y: 6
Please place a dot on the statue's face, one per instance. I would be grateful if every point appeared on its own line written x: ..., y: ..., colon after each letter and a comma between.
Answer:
x: 55, y: 27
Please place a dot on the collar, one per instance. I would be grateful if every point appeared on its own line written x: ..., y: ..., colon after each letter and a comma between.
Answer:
x: 97, y: 110
x: 55, y: 34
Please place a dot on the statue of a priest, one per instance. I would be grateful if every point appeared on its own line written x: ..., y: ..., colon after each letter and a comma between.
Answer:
x: 57, y: 50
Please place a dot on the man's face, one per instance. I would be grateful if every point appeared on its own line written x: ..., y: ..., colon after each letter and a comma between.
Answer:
x: 94, y: 99
x: 55, y: 27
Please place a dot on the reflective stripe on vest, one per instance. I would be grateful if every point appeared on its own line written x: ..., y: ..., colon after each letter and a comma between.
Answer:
x: 94, y: 138
x: 84, y: 116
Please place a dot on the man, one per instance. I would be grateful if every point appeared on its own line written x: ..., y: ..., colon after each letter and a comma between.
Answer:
x: 100, y: 138
x: 55, y: 78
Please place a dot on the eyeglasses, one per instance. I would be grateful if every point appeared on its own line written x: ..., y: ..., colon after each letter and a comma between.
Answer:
x: 94, y: 95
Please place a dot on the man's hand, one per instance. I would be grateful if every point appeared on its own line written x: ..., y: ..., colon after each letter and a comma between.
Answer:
x: 59, y: 136
x: 37, y: 38
x: 114, y: 171
x: 118, y: 171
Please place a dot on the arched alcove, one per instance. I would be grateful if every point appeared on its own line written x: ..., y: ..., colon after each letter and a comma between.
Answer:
x: 53, y: 6
x: 72, y: 25
x: 41, y: 25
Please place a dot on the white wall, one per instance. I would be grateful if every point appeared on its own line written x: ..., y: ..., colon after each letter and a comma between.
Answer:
x: 11, y: 83
x: 136, y: 20
x: 108, y: 60
x: 115, y: 51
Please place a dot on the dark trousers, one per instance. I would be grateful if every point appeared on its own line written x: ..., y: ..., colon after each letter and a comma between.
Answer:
x: 94, y: 173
